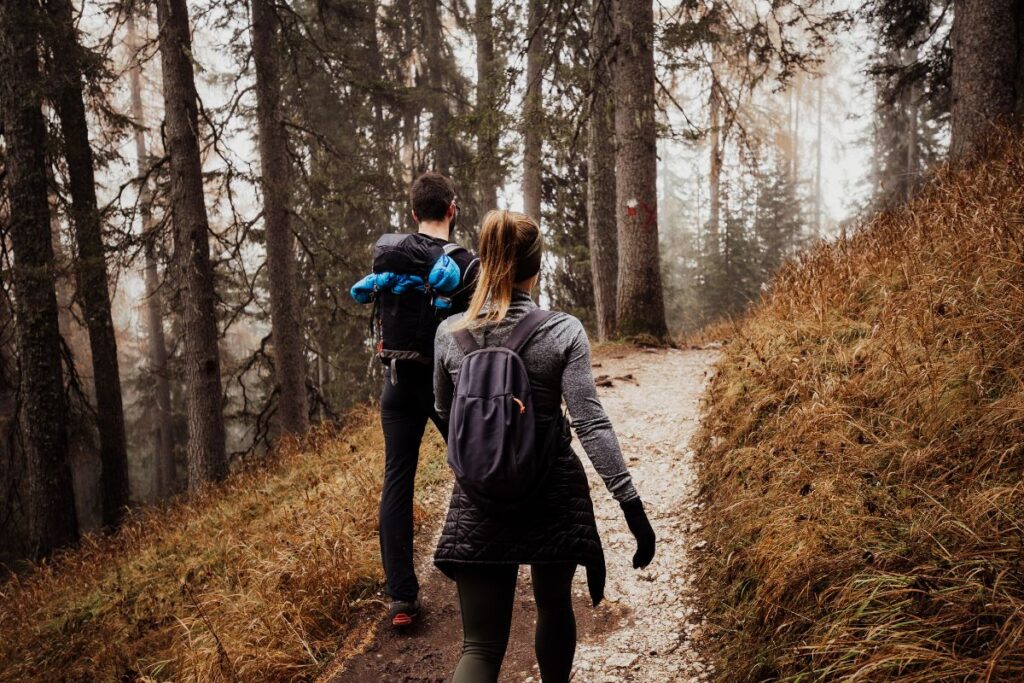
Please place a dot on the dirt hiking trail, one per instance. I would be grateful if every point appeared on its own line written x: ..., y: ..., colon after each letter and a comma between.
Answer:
x: 646, y: 628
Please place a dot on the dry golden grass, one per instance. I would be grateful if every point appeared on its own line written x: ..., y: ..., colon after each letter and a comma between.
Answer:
x: 253, y: 581
x: 863, y: 452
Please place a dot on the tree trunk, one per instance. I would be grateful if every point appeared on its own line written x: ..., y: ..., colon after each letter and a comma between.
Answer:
x: 323, y: 360
x: 207, y: 460
x: 440, y: 116
x: 986, y: 72
x: 604, y: 255
x: 533, y: 111
x: 90, y: 265
x: 640, y: 307
x: 43, y: 406
x: 410, y: 123
x: 715, y: 171
x: 164, y: 473
x: 797, y: 95
x: 489, y: 121
x: 817, y: 157
x: 382, y: 133
x: 913, y: 95
x: 286, y: 327
x: 72, y: 334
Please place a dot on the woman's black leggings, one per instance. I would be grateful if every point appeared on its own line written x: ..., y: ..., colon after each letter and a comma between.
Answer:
x: 486, y: 596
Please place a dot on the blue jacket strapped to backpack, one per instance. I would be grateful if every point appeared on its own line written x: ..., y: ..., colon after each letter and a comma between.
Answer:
x: 444, y: 278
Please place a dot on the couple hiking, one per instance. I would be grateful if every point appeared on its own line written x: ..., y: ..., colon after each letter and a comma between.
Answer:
x: 465, y: 346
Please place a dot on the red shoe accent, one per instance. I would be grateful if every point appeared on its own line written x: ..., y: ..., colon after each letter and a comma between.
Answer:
x: 401, y: 619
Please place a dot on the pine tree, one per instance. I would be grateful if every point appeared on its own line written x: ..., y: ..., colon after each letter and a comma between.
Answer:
x: 207, y: 457
x: 911, y: 78
x: 286, y: 328
x: 778, y: 227
x: 988, y: 72
x: 66, y: 65
x: 640, y: 307
x: 601, y: 223
x: 533, y: 108
x: 43, y: 407
x: 489, y: 119
x: 164, y: 470
x: 441, y: 141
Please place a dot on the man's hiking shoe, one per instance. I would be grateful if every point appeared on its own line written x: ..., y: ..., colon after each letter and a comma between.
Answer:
x: 403, y: 613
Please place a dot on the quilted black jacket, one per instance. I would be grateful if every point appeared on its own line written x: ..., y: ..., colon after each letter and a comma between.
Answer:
x: 559, y: 526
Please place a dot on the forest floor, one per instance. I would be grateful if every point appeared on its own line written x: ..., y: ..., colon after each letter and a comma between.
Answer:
x: 647, y: 627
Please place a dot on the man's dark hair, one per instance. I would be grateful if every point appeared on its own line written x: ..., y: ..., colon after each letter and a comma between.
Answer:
x: 431, y: 195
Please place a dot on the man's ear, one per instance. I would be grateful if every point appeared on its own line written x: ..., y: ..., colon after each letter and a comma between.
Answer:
x: 453, y: 209
x: 415, y: 218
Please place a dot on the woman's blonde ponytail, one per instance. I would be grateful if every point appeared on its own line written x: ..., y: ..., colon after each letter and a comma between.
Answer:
x: 504, y: 237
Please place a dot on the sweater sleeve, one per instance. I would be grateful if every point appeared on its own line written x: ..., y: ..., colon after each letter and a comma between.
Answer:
x: 589, y: 420
x: 443, y: 387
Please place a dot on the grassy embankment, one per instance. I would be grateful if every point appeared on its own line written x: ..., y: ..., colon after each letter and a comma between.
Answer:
x: 863, y: 452
x: 255, y: 581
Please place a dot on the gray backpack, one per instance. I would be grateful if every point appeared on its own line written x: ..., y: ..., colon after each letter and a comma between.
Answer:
x: 492, y: 432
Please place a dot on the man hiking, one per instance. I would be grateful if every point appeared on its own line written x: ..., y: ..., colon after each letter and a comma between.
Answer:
x: 418, y: 280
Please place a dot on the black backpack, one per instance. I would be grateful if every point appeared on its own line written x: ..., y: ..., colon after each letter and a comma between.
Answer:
x: 492, y: 432
x: 406, y: 322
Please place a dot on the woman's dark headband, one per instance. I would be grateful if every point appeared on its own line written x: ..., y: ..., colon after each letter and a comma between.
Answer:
x: 528, y: 259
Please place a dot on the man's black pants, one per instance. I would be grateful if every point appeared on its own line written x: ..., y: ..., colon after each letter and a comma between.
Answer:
x: 405, y: 407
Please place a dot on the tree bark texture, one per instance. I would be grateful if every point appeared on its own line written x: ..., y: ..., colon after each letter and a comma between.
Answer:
x: 817, y: 158
x: 715, y: 167
x: 164, y: 471
x: 488, y: 116
x: 640, y: 308
x: 601, y: 224
x: 43, y: 408
x: 207, y: 460
x: 90, y: 265
x: 533, y: 111
x: 286, y: 326
x: 987, y: 72
x: 437, y: 100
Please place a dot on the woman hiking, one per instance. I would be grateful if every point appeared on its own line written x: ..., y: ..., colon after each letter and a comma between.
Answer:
x: 486, y: 537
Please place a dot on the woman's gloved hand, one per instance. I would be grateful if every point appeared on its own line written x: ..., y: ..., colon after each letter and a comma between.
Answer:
x: 640, y: 526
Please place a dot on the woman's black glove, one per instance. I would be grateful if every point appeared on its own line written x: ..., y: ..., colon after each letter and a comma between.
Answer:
x: 640, y: 526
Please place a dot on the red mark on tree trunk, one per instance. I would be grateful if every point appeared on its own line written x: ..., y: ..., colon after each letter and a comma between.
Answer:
x: 650, y: 214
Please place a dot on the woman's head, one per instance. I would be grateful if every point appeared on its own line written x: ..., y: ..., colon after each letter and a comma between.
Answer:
x: 510, y: 254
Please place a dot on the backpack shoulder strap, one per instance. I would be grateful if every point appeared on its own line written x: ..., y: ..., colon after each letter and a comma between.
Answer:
x: 452, y: 247
x: 466, y: 341
x: 525, y: 328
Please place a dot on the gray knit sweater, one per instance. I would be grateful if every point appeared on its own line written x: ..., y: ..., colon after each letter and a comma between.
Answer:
x: 557, y: 359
